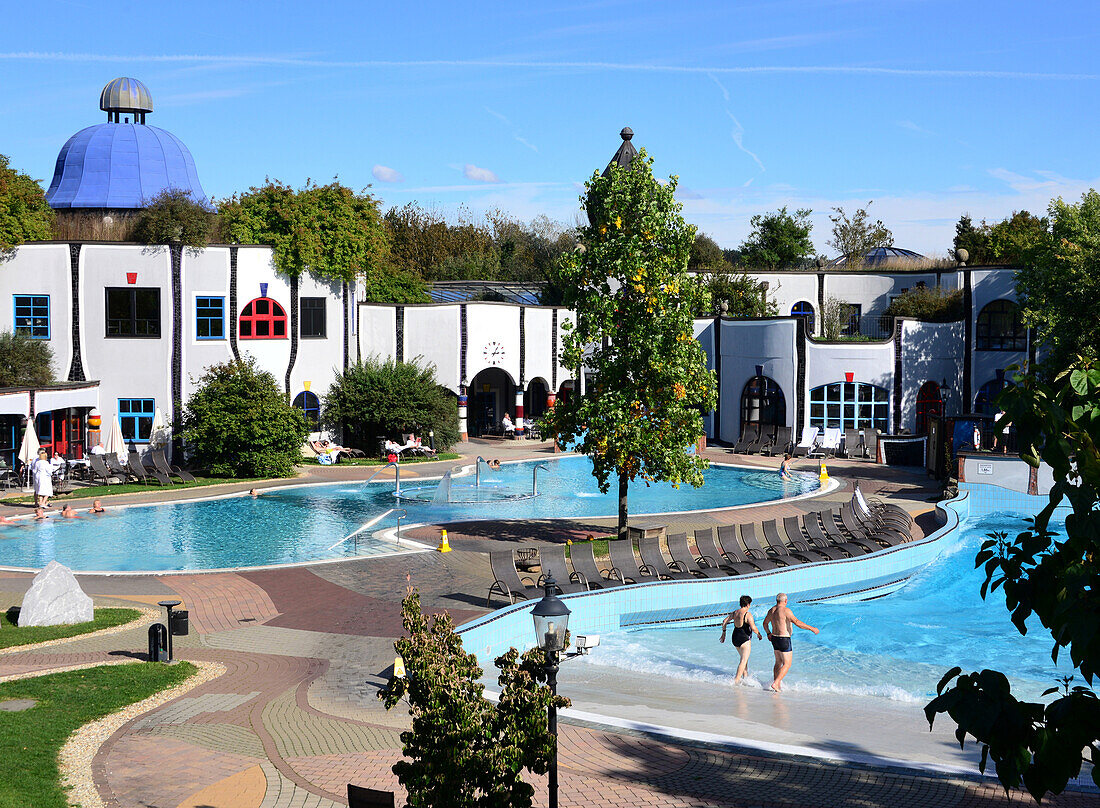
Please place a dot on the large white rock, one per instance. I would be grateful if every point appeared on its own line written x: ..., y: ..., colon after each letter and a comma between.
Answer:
x: 54, y: 599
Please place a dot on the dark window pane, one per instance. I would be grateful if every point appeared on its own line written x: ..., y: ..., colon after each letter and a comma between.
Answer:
x: 246, y: 328
x: 278, y: 328
x: 262, y: 328
x: 261, y: 307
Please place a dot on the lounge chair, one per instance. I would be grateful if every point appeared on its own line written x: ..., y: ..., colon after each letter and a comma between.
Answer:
x: 885, y: 510
x: 732, y: 550
x: 584, y: 563
x: 870, y: 443
x: 623, y: 561
x: 876, y: 525
x: 100, y: 471
x: 853, y: 442
x: 117, y: 468
x: 831, y: 523
x: 779, y: 444
x: 552, y: 561
x: 849, y: 522
x: 811, y: 524
x: 830, y: 442
x: 507, y: 581
x: 712, y: 554
x: 653, y: 561
x: 754, y: 551
x: 778, y: 549
x: 767, y: 435
x: 682, y: 555
x: 161, y: 464
x: 142, y: 474
x: 806, y: 445
x: 749, y: 434
x: 797, y: 540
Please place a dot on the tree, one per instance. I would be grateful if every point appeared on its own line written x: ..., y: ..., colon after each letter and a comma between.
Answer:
x: 376, y: 397
x: 835, y: 317
x: 24, y: 214
x: 1059, y: 285
x: 173, y: 217
x: 707, y: 256
x: 932, y: 304
x: 238, y: 423
x: 24, y: 361
x: 1015, y: 239
x: 1057, y: 579
x: 743, y: 296
x: 974, y: 239
x: 462, y: 750
x: 778, y: 240
x: 854, y: 236
x: 633, y: 301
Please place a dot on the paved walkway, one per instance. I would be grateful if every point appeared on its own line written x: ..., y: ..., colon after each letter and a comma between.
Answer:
x: 296, y: 715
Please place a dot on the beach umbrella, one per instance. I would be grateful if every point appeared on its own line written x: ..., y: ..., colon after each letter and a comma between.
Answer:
x: 115, y: 443
x: 160, y: 434
x: 28, y: 451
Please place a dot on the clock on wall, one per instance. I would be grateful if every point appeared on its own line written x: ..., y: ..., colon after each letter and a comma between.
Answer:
x: 493, y: 353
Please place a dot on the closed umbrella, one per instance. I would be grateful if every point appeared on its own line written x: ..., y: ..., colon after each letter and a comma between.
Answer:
x: 115, y: 443
x: 160, y: 434
x: 28, y: 450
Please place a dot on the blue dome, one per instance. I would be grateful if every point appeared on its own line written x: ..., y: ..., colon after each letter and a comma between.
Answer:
x: 121, y: 165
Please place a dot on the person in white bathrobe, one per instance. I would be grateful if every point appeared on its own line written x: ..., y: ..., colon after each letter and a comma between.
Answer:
x: 42, y: 474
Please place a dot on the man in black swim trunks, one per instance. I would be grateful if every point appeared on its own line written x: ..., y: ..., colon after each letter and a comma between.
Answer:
x: 778, y: 624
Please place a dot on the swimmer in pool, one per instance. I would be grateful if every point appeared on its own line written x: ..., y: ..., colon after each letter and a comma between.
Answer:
x: 252, y: 492
x: 39, y: 514
x: 68, y: 511
x: 785, y: 467
x: 778, y: 624
x: 741, y: 638
x: 494, y: 464
x: 97, y: 507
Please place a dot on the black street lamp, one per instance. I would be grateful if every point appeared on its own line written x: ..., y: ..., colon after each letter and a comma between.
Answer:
x: 551, y: 618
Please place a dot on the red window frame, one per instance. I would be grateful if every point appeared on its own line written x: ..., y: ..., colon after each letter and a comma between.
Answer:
x: 262, y: 318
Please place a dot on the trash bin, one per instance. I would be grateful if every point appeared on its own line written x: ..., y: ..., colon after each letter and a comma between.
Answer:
x: 179, y: 623
x: 158, y: 643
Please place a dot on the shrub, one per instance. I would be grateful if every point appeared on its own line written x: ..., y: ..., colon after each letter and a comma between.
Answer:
x: 174, y: 217
x: 24, y: 214
x: 373, y: 398
x: 931, y: 304
x: 24, y: 362
x: 239, y: 424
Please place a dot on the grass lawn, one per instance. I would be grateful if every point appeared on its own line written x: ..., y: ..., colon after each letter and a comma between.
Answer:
x: 93, y: 491
x: 31, y: 739
x: 12, y: 635
x: 599, y: 546
x: 369, y: 461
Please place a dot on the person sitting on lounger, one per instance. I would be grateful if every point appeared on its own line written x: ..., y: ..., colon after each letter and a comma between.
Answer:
x: 507, y: 425
x: 741, y: 638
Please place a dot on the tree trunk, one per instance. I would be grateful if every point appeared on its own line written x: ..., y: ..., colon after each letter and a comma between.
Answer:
x: 623, y: 481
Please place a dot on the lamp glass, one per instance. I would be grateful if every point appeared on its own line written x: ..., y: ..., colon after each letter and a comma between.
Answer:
x: 551, y: 619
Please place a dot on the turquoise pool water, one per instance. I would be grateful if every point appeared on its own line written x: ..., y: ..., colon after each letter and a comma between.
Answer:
x: 302, y: 523
x: 896, y: 647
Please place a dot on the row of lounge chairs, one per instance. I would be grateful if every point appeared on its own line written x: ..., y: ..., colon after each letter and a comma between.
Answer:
x: 857, y: 528
x: 108, y: 470
x: 766, y: 439
x: 769, y: 439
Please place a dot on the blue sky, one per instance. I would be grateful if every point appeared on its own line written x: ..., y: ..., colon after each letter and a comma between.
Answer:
x: 928, y: 108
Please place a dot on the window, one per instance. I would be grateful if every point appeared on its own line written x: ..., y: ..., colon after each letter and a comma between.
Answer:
x: 855, y: 312
x: 849, y: 405
x: 133, y: 312
x: 762, y: 402
x: 1000, y: 328
x: 804, y: 310
x: 929, y: 402
x: 32, y: 315
x: 983, y: 402
x: 310, y: 406
x: 210, y: 317
x: 135, y: 416
x: 313, y: 317
x: 263, y: 318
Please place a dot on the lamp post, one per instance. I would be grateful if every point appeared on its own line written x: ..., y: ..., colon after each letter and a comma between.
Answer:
x: 551, y: 618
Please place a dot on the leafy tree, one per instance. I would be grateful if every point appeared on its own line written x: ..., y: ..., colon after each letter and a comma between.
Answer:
x: 376, y: 397
x: 932, y: 304
x: 173, y: 217
x: 1054, y: 578
x: 330, y: 231
x: 238, y: 423
x: 633, y: 301
x: 854, y: 236
x: 462, y: 750
x: 834, y: 318
x: 24, y: 214
x: 24, y: 362
x: 1013, y: 240
x: 707, y: 256
x: 424, y: 242
x: 1059, y: 286
x: 744, y: 296
x: 778, y: 240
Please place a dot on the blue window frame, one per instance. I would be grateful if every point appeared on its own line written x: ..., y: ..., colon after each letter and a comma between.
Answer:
x: 135, y: 416
x: 850, y: 405
x: 805, y: 310
x: 310, y: 406
x: 210, y: 317
x: 32, y: 315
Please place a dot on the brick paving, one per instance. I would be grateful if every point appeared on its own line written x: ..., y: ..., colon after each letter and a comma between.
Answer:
x: 295, y: 717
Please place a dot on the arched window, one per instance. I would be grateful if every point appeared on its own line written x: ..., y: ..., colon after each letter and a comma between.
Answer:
x: 310, y: 406
x: 929, y: 402
x: 983, y: 402
x: 805, y: 310
x: 850, y: 405
x: 762, y: 402
x: 263, y: 318
x: 1000, y: 328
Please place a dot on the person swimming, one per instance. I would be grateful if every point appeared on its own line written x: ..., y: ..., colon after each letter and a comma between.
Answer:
x: 97, y: 507
x: 68, y: 511
x: 741, y: 637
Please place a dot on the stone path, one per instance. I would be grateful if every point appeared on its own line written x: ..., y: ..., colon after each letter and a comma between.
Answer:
x: 295, y: 718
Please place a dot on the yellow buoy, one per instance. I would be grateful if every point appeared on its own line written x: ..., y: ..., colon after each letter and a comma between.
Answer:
x: 824, y: 475
x: 444, y: 547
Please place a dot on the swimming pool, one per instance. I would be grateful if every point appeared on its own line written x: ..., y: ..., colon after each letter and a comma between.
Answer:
x: 301, y: 523
x: 895, y: 647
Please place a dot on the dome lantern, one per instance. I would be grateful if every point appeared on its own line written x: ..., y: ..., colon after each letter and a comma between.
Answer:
x: 125, y: 95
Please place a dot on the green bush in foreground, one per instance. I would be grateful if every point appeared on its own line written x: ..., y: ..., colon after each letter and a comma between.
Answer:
x: 239, y: 423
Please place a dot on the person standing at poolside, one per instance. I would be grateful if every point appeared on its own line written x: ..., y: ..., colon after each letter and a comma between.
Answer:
x: 778, y: 624
x: 741, y: 638
x: 42, y: 475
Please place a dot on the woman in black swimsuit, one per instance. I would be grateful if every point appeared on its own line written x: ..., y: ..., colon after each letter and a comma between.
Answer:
x: 743, y: 629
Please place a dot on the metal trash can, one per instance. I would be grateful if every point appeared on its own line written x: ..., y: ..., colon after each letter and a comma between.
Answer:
x: 158, y: 643
x: 179, y: 623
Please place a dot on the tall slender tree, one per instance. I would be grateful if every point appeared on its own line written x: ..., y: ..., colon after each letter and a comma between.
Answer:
x: 629, y: 287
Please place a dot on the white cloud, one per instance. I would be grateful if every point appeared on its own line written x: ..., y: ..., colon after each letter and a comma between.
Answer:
x: 387, y: 174
x: 472, y: 172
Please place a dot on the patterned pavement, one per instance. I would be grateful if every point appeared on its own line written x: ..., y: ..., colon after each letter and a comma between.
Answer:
x: 295, y: 718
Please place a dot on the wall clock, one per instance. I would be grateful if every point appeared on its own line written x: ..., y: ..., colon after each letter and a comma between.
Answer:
x: 493, y: 353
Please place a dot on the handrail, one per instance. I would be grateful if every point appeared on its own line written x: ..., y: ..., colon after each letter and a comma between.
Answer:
x: 404, y: 513
x: 535, y: 478
x: 371, y: 523
x: 477, y: 470
x: 396, y: 472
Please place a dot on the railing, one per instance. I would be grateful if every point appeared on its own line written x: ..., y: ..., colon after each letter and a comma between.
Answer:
x: 535, y: 478
x: 396, y: 476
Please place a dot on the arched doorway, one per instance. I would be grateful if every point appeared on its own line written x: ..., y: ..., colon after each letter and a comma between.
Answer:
x: 566, y: 390
x: 534, y: 398
x: 762, y: 402
x: 491, y: 394
x: 929, y: 402
x: 983, y: 402
x: 310, y: 406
